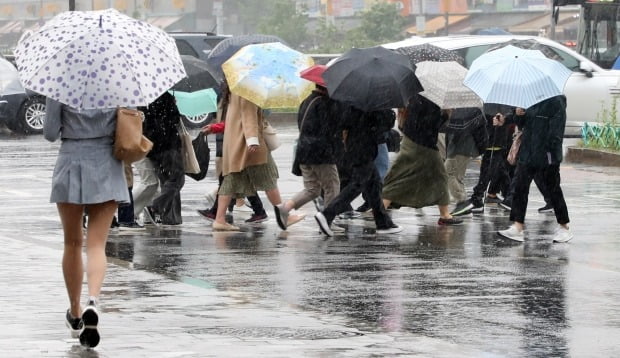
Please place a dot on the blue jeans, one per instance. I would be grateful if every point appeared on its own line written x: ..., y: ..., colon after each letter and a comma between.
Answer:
x: 382, y: 161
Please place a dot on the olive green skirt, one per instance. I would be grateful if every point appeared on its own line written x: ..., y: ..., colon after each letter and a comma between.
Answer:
x: 250, y: 180
x: 417, y: 178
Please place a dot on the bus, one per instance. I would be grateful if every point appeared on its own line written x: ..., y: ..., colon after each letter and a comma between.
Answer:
x: 599, y: 30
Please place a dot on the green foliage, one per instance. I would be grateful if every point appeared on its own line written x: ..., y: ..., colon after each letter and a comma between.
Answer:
x: 382, y: 23
x: 606, y: 134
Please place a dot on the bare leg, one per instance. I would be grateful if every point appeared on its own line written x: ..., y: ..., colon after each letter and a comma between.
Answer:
x: 99, y: 220
x: 386, y: 203
x: 72, y: 267
x: 444, y: 212
x: 520, y: 226
x: 274, y: 196
x: 222, y: 206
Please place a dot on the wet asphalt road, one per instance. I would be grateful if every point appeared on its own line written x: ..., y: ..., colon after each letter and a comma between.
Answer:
x: 461, y: 285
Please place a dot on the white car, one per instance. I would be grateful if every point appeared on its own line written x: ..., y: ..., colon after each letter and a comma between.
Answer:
x: 590, y: 91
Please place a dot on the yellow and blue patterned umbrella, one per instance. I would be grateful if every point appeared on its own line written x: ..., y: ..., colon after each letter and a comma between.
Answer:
x: 268, y: 75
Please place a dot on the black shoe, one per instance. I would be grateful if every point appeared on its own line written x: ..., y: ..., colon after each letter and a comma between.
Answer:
x: 548, y: 208
x: 451, y: 221
x: 506, y: 204
x: 74, y: 324
x: 463, y: 208
x: 114, y: 224
x: 207, y: 214
x: 478, y: 207
x: 257, y: 218
x: 89, y: 337
x: 152, y: 215
x: 363, y: 208
x: 493, y: 199
x: 281, y: 216
x: 133, y: 226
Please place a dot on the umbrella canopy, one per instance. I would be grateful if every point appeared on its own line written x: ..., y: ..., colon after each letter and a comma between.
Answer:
x: 9, y: 79
x: 529, y: 44
x: 443, y: 85
x: 228, y: 47
x: 372, y: 79
x: 314, y: 74
x: 99, y: 59
x: 268, y: 75
x: 200, y: 75
x: 428, y: 52
x: 516, y: 77
x: 196, y: 103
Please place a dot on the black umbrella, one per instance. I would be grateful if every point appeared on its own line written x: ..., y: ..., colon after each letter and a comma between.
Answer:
x: 428, y: 52
x: 372, y: 79
x: 200, y: 75
x: 228, y: 47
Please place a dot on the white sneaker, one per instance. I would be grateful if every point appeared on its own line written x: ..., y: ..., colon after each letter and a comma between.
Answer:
x: 323, y: 224
x: 563, y: 235
x: 512, y: 233
x: 338, y: 229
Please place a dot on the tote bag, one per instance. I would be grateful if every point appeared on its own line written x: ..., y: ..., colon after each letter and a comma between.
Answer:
x: 190, y: 163
x: 129, y: 143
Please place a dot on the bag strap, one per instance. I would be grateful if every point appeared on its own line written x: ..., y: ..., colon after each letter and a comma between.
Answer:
x: 306, y: 113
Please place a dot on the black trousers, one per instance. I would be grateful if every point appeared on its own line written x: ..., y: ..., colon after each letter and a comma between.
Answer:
x: 171, y: 175
x: 364, y: 178
x: 493, y: 169
x: 550, y: 179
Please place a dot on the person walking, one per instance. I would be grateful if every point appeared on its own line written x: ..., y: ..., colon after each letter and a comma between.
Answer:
x: 362, y: 133
x: 418, y: 178
x: 492, y: 169
x: 161, y: 120
x: 319, y: 134
x: 466, y: 138
x: 247, y: 164
x: 86, y: 176
x: 540, y: 153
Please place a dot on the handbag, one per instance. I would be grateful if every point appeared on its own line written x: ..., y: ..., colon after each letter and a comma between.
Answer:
x: 190, y: 163
x: 296, y: 169
x: 513, y: 153
x: 203, y: 155
x: 270, y: 135
x: 130, y: 145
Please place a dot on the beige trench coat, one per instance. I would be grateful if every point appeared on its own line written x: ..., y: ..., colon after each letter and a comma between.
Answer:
x: 244, y: 120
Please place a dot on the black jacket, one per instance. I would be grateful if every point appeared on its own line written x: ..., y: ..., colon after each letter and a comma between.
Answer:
x: 364, y: 131
x: 543, y: 132
x: 466, y: 132
x: 424, y: 119
x: 160, y: 125
x: 319, y: 133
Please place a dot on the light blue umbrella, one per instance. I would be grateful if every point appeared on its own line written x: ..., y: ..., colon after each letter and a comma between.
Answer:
x: 196, y: 103
x: 516, y: 77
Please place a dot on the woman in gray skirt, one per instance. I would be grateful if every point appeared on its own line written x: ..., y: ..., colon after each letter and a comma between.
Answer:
x: 86, y: 177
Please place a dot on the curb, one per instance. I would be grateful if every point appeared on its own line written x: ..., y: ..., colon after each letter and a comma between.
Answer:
x: 593, y: 157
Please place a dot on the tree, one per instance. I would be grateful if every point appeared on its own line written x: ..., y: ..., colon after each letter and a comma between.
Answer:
x: 286, y: 22
x: 382, y: 23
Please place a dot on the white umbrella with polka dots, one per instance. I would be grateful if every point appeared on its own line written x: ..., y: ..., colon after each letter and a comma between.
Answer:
x: 99, y: 59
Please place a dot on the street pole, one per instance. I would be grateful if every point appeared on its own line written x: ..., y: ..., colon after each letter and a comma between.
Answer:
x: 71, y: 5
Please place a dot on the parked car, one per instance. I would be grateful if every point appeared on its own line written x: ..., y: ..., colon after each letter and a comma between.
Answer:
x: 589, y: 91
x: 197, y: 44
x: 21, y: 110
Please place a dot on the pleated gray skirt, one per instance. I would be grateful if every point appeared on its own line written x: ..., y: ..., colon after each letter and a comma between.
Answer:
x: 86, y: 172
